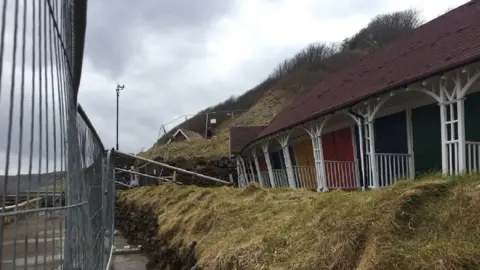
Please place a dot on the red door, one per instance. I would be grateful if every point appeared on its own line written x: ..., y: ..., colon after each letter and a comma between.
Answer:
x: 262, y: 164
x: 339, y: 156
x: 328, y: 145
x: 343, y: 144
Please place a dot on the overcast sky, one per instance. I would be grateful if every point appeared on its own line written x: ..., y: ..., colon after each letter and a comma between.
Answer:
x: 178, y: 57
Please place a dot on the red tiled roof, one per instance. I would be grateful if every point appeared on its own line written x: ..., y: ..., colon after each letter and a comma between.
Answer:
x: 241, y: 136
x: 447, y: 42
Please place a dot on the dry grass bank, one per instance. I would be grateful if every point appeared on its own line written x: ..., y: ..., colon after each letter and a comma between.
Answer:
x: 431, y: 223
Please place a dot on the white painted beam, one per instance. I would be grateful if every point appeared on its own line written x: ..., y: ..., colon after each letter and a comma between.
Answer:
x: 269, y: 164
x: 257, y: 167
x: 373, y: 157
x: 283, y: 140
x: 411, y: 159
x: 462, y: 166
x: 315, y: 135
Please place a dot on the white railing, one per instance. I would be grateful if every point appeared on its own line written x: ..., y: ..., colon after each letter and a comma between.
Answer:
x: 346, y: 174
x: 241, y: 181
x: 452, y: 154
x: 305, y: 177
x: 244, y: 180
x: 266, y: 179
x: 392, y: 167
x: 341, y: 174
x: 280, y: 178
x: 473, y: 156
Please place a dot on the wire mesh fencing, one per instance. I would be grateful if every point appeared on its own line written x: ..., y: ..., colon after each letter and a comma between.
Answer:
x: 56, y: 179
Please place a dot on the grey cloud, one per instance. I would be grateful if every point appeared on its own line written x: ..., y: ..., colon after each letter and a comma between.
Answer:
x: 334, y: 9
x: 113, y: 29
x: 115, y: 36
x: 17, y: 147
x: 146, y: 103
x: 16, y: 137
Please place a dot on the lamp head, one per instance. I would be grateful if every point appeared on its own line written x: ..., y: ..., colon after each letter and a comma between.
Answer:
x: 119, y: 87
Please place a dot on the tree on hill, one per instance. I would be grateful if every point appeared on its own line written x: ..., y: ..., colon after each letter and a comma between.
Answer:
x: 384, y: 29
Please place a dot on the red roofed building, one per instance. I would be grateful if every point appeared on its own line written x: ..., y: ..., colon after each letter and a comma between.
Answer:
x: 411, y: 107
x: 183, y: 134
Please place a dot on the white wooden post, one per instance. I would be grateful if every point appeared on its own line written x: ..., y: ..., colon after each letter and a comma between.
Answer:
x: 453, y: 136
x: 316, y: 137
x: 372, y: 109
x: 269, y: 164
x: 443, y: 133
x: 462, y: 166
x: 373, y: 158
x: 355, y: 165
x: 137, y: 178
x: 320, y: 165
x: 244, y: 168
x: 411, y: 154
x: 250, y: 167
x: 283, y: 140
x: 453, y: 139
x: 362, y: 154
x: 240, y: 173
x: 472, y: 76
x: 257, y: 167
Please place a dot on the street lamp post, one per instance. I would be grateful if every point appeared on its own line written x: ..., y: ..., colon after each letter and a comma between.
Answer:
x: 119, y: 88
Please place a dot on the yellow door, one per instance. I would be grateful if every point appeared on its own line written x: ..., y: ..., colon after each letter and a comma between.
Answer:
x: 306, y: 163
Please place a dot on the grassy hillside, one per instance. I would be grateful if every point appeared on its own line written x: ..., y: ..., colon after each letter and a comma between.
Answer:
x: 291, y: 78
x: 259, y: 114
x: 433, y: 223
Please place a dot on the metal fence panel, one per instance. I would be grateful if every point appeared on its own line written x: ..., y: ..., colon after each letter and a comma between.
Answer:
x: 56, y: 179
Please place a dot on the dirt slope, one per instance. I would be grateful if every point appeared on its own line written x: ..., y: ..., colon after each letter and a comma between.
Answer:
x: 431, y: 223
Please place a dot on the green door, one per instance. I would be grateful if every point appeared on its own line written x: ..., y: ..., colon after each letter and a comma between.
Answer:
x: 472, y: 114
x: 427, y: 138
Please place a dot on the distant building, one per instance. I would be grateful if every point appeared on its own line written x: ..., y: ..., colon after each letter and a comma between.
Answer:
x: 183, y: 134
